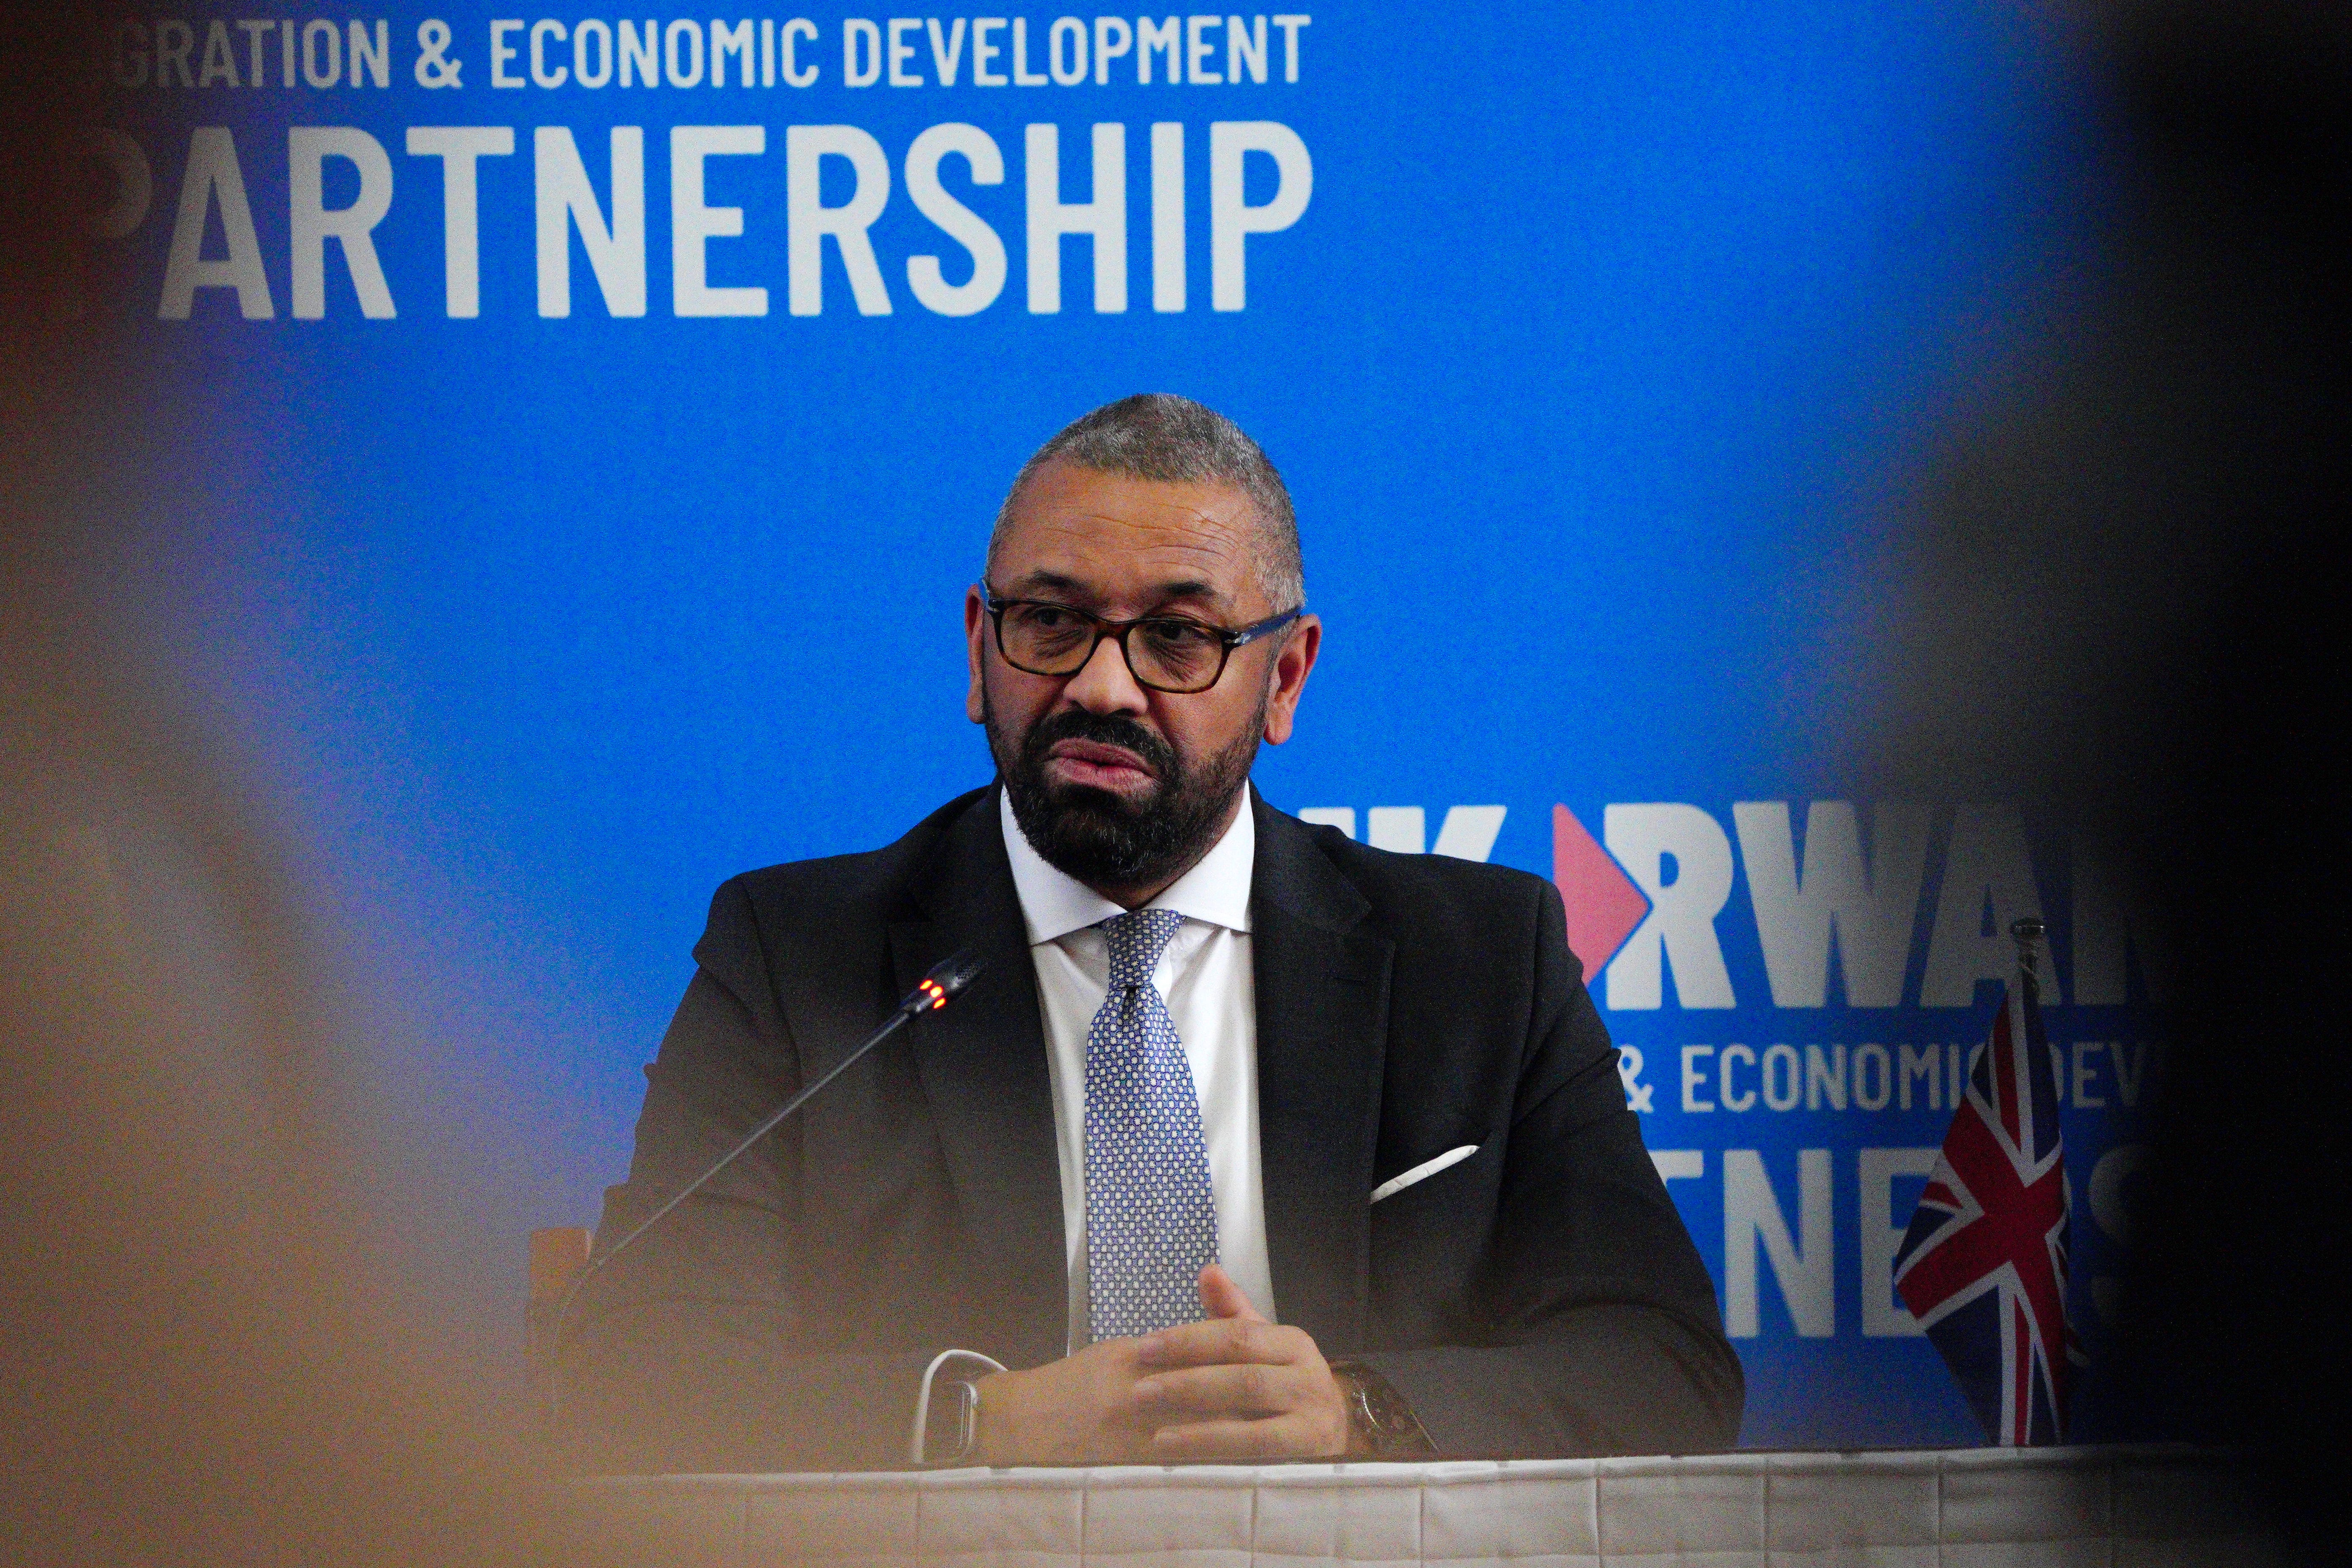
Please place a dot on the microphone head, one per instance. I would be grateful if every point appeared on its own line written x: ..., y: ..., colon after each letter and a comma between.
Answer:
x: 946, y: 981
x: 957, y: 971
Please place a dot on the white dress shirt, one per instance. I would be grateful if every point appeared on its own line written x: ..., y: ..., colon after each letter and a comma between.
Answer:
x: 1206, y: 979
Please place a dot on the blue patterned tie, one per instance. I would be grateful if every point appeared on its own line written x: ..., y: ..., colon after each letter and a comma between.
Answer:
x: 1151, y: 1219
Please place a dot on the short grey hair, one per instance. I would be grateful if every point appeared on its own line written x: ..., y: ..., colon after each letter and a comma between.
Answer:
x: 1161, y: 437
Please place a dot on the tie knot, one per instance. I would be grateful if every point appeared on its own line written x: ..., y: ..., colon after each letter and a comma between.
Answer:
x: 1137, y: 940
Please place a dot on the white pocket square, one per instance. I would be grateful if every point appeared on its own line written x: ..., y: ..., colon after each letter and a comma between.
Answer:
x: 1423, y: 1171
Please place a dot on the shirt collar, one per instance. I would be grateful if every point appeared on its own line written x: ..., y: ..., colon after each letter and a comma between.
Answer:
x: 1052, y: 903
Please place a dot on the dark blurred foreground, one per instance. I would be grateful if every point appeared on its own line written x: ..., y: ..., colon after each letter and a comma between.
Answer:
x: 2127, y: 601
x: 2126, y: 591
x: 203, y: 1359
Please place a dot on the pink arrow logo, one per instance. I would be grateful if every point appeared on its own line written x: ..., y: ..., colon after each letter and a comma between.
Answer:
x: 1603, y: 904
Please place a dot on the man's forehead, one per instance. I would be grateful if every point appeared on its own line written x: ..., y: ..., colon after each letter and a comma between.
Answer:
x: 1085, y: 527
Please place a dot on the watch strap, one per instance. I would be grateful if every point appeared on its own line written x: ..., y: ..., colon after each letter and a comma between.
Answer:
x: 946, y: 1426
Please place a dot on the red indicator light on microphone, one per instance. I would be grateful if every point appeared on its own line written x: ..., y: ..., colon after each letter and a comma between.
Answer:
x: 936, y: 991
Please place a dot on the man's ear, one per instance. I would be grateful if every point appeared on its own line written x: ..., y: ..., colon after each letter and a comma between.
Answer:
x: 1293, y: 660
x: 975, y: 636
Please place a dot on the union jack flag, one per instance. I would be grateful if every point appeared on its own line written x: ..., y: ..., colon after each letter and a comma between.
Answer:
x: 1983, y: 1264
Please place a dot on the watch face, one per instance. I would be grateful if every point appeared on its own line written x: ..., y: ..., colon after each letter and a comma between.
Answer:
x: 1363, y: 1415
x: 1383, y: 1419
x: 947, y: 1424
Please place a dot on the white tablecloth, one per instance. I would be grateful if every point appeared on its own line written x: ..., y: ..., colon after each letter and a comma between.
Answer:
x: 2078, y: 1508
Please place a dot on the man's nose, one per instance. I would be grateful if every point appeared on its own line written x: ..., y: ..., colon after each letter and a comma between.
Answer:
x: 1103, y: 684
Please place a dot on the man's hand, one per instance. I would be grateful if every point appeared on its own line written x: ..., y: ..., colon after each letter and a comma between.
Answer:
x: 1237, y: 1386
x: 1080, y: 1410
x: 1234, y: 1387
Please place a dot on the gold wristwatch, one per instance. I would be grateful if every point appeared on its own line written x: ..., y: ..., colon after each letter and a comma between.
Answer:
x: 1380, y: 1425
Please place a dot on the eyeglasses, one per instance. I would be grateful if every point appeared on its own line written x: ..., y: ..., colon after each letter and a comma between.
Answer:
x: 1175, y: 654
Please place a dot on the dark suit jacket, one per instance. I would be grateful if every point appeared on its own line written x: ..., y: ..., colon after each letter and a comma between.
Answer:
x: 1539, y: 1298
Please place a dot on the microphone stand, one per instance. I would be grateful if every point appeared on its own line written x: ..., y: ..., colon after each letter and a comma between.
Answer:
x: 943, y: 985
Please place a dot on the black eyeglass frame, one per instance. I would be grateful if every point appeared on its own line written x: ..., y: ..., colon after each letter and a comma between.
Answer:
x: 1104, y: 627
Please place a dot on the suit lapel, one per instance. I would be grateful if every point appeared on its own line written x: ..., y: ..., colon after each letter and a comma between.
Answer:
x: 983, y: 1069
x: 1322, y: 1031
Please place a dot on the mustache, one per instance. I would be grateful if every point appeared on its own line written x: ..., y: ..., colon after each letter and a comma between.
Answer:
x: 1103, y: 730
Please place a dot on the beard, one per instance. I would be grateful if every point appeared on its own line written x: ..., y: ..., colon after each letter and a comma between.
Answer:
x: 1110, y: 840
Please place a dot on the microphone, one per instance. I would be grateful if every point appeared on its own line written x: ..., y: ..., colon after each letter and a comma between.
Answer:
x: 946, y: 981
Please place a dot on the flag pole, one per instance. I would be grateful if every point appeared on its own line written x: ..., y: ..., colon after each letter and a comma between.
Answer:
x: 2027, y: 933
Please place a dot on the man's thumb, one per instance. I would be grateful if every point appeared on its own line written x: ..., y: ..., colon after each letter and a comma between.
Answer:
x: 1221, y: 1297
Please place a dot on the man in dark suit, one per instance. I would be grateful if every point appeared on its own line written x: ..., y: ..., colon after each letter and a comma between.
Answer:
x: 1250, y: 1142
